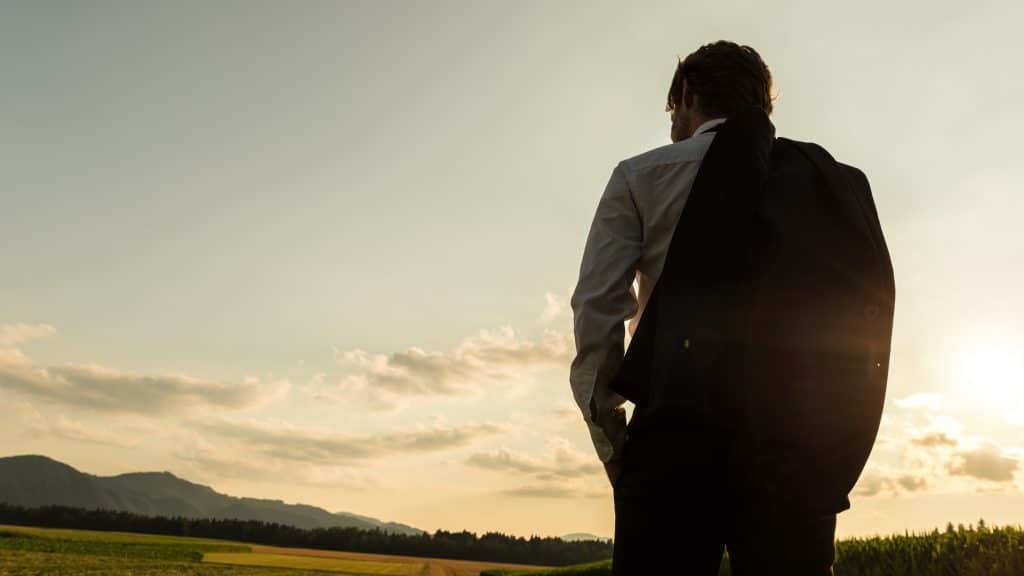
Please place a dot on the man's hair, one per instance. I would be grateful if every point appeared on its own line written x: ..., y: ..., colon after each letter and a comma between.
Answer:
x: 725, y: 76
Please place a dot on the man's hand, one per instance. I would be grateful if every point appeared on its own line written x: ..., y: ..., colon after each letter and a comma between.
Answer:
x: 613, y: 422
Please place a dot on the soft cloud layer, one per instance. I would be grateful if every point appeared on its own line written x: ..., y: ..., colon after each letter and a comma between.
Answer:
x: 109, y: 390
x: 11, y: 334
x: 219, y: 461
x: 541, y: 492
x: 935, y: 439
x: 491, y: 357
x: 874, y: 483
x: 285, y: 441
x: 565, y: 464
x: 928, y: 449
x: 566, y: 473
x: 985, y: 463
x: 61, y: 426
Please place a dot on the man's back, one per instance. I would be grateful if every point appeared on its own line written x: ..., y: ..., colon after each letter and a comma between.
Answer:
x: 661, y: 180
x: 633, y: 227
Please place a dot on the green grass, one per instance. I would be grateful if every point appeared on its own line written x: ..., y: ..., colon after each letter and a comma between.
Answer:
x: 55, y: 551
x: 600, y: 568
x: 111, y: 544
x: 105, y: 536
x: 25, y: 563
x: 28, y: 551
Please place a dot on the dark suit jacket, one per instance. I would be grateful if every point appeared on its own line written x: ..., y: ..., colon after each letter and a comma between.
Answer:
x: 772, y: 314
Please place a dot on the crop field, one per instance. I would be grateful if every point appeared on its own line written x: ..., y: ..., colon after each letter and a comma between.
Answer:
x: 47, y: 551
x: 971, y: 551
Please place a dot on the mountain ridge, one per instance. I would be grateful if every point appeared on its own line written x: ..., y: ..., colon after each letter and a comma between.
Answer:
x: 35, y: 480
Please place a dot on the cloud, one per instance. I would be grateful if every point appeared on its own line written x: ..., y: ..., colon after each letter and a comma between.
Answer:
x: 541, y: 492
x: 63, y: 427
x: 490, y: 357
x: 928, y: 428
x: 871, y: 485
x: 911, y: 483
x: 567, y: 413
x: 208, y: 460
x: 285, y: 441
x: 936, y: 453
x: 874, y: 483
x: 232, y: 465
x: 921, y: 400
x: 556, y: 306
x: 936, y: 439
x: 985, y: 463
x: 503, y: 460
x: 564, y: 473
x: 11, y: 334
x: 553, y: 307
x: 914, y: 457
x: 109, y: 390
x: 564, y: 462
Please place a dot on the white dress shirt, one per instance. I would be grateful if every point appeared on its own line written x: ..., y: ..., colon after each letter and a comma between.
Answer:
x: 628, y: 240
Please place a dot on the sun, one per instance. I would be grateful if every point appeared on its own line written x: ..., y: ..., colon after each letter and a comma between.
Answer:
x: 991, y: 373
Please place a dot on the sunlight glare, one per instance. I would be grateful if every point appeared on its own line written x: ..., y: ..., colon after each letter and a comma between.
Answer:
x: 992, y: 374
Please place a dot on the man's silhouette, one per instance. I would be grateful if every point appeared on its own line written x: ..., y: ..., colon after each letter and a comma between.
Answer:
x: 708, y: 460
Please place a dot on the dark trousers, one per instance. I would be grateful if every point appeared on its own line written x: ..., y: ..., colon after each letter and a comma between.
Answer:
x: 680, y: 503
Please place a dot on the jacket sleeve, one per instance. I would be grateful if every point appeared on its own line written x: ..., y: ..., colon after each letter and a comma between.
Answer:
x: 603, y: 300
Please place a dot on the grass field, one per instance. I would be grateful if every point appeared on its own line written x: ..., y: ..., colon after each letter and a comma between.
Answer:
x: 52, y: 551
x: 981, y: 551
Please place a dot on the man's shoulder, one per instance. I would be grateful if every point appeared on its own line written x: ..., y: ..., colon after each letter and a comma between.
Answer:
x: 852, y: 172
x: 687, y: 150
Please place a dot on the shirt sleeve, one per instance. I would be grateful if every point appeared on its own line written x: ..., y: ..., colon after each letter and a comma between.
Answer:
x: 603, y: 300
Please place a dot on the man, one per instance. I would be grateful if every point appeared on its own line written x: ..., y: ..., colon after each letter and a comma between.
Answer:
x: 630, y: 234
x: 671, y: 512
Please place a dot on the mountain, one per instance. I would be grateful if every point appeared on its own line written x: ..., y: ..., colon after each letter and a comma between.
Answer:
x: 577, y: 536
x: 33, y: 481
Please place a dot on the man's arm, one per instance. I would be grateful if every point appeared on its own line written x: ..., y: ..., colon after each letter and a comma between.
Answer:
x: 603, y: 300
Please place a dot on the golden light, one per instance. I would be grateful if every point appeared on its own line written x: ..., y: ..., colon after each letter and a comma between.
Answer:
x: 991, y: 374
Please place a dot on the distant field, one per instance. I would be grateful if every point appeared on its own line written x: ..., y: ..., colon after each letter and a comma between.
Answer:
x: 46, y: 551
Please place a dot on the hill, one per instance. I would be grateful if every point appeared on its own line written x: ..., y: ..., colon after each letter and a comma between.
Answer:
x: 34, y: 480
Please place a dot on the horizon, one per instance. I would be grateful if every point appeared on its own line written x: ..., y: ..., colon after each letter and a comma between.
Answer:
x: 324, y: 253
x: 970, y: 524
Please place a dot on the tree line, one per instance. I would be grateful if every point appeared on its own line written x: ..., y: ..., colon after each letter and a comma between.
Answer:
x: 463, y: 545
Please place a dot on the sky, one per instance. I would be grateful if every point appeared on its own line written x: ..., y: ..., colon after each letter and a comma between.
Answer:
x: 323, y: 251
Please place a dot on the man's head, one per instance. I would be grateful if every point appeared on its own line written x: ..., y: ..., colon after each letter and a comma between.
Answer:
x: 715, y: 80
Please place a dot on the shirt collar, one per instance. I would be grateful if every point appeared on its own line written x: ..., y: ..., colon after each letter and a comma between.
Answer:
x: 709, y: 124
